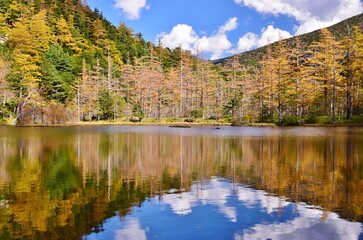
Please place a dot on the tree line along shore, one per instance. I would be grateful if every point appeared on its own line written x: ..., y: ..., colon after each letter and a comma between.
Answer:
x: 62, y: 63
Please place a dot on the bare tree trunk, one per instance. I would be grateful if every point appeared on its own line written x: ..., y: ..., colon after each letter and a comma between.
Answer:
x: 181, y: 111
x: 334, y: 85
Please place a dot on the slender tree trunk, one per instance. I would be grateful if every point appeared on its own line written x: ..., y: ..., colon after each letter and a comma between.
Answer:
x: 181, y: 110
x: 349, y: 77
x: 271, y: 96
x: 109, y: 70
x: 262, y: 100
x: 334, y: 85
x: 279, y: 98
x: 78, y: 101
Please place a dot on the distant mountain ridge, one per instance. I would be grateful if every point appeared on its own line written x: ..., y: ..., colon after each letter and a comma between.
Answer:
x: 339, y: 30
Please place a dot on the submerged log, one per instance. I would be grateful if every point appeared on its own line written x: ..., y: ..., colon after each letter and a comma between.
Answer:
x: 180, y: 126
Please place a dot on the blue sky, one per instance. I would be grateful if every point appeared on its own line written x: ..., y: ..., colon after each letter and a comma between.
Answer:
x: 219, y: 28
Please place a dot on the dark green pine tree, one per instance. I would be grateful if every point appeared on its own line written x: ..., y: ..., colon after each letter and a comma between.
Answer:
x: 58, y: 79
x: 105, y: 104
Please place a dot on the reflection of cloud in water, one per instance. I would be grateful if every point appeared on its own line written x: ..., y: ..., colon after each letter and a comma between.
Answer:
x: 252, y: 198
x: 214, y: 192
x: 132, y: 230
x: 307, y: 225
x: 182, y: 203
x: 217, y: 193
x: 308, y: 222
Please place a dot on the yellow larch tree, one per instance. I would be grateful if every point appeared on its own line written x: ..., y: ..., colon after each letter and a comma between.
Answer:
x: 284, y: 85
x: 326, y: 63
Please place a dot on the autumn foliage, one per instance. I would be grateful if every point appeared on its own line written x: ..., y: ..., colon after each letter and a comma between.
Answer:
x: 60, y: 53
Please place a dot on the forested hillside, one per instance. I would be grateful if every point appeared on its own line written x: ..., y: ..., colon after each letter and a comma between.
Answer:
x: 62, y: 62
x: 315, y: 77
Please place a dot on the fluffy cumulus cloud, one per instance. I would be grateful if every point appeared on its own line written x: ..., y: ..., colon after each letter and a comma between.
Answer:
x: 271, y: 34
x: 131, y: 8
x: 214, y: 45
x: 311, y: 14
x: 247, y: 42
x: 268, y: 35
x: 230, y: 25
x: 181, y: 35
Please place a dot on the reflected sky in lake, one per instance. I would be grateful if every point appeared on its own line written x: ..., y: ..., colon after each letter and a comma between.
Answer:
x: 220, y: 209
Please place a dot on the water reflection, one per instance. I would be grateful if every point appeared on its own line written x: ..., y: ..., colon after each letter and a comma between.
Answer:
x: 64, y: 183
x: 219, y: 209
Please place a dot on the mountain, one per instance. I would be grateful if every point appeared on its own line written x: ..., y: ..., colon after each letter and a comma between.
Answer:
x: 339, y: 30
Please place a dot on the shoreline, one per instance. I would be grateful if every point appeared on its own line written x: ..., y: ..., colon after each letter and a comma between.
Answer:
x: 180, y: 124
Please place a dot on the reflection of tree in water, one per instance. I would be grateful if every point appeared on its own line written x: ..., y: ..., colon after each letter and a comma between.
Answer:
x: 67, y: 186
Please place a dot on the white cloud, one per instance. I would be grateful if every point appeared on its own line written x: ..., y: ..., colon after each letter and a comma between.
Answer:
x: 183, y: 35
x: 268, y: 35
x: 216, y: 44
x: 312, y: 25
x: 271, y: 34
x: 131, y: 8
x: 230, y: 25
x: 247, y: 42
x: 272, y: 6
x: 311, y: 14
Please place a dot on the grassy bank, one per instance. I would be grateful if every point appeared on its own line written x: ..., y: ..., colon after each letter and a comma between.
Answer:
x: 312, y: 122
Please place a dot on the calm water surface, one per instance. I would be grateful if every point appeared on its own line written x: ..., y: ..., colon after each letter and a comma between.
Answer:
x: 147, y: 182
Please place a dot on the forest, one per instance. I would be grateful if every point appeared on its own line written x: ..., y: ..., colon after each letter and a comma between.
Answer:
x: 62, y: 62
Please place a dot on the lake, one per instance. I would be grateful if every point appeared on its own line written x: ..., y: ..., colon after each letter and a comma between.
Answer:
x: 157, y: 182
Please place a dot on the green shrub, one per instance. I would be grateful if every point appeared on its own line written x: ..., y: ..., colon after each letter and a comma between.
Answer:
x: 137, y: 112
x: 249, y: 118
x: 170, y: 119
x: 150, y: 120
x: 355, y: 119
x: 324, y: 120
x: 290, y: 120
x: 5, y: 111
x: 197, y: 113
x: 3, y: 121
x: 212, y: 121
x: 135, y: 119
x: 311, y: 119
x: 227, y: 120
